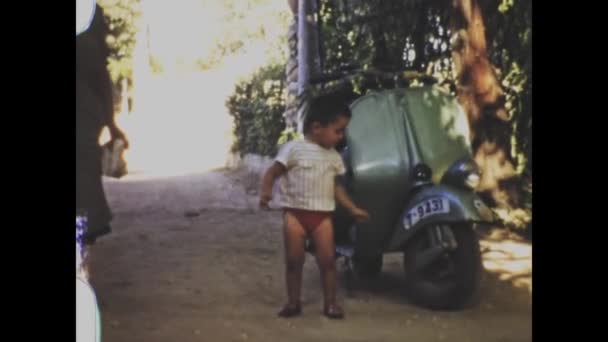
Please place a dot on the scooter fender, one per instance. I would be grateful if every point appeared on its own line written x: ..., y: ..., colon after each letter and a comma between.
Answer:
x: 438, y: 204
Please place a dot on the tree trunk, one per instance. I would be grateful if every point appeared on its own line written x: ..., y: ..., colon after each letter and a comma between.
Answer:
x: 482, y: 97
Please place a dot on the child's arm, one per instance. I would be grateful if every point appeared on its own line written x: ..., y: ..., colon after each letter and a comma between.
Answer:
x: 275, y: 171
x: 345, y: 201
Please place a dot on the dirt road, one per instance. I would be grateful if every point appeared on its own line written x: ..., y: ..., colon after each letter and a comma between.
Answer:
x: 192, y: 259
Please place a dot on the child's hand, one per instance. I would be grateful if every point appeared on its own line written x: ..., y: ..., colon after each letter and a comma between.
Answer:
x: 360, y: 214
x: 264, y: 200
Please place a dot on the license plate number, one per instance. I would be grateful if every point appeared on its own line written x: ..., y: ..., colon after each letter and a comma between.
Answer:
x: 430, y: 207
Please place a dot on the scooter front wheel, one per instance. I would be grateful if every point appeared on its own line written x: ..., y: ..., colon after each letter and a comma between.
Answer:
x: 449, y: 282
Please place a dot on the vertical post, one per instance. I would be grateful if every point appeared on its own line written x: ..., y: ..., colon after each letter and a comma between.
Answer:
x: 291, y: 70
x: 319, y: 56
x: 303, y: 61
x: 303, y: 40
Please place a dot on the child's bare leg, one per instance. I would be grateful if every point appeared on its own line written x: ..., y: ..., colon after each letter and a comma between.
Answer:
x: 295, y: 237
x: 325, y: 253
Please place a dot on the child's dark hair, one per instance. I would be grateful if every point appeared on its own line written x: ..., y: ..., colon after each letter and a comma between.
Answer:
x: 325, y: 109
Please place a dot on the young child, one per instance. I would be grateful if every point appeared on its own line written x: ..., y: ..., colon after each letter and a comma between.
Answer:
x: 307, y: 168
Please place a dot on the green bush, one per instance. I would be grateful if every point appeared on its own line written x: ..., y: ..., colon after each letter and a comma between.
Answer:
x: 257, y: 107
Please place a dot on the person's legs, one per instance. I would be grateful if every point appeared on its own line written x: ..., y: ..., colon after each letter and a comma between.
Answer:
x: 294, y: 238
x: 90, y: 196
x: 323, y: 237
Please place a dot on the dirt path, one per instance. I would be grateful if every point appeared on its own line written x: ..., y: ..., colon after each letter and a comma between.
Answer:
x: 164, y: 275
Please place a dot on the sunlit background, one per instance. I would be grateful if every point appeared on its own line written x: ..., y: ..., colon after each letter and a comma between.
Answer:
x: 183, y: 62
x: 186, y: 59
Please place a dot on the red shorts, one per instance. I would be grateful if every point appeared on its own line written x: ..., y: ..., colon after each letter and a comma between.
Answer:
x: 309, y: 219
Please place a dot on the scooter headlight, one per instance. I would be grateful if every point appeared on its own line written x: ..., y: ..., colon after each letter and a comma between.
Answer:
x: 463, y: 173
x: 473, y: 179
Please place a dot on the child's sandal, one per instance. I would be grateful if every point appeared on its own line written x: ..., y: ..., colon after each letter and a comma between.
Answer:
x: 333, y: 311
x: 290, y: 311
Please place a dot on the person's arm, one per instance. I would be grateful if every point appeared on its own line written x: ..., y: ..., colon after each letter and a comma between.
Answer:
x: 105, y: 82
x: 275, y: 171
x: 344, y: 200
x: 342, y: 196
x: 282, y: 162
x: 108, y: 106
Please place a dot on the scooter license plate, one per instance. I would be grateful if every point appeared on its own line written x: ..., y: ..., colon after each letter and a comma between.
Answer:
x: 430, y: 207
